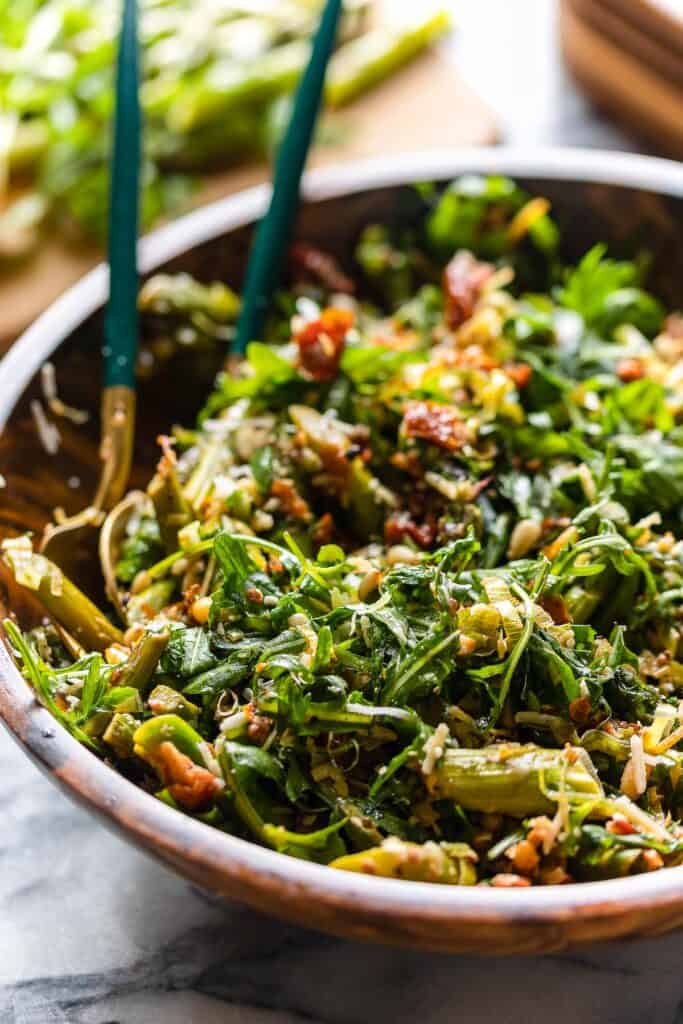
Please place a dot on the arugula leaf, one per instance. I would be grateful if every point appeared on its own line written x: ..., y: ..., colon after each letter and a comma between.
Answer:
x: 463, y: 217
x: 604, y: 291
x: 261, y: 464
x: 44, y: 681
x: 94, y: 688
x: 234, y: 560
x: 424, y: 669
x: 188, y: 653
x: 272, y: 380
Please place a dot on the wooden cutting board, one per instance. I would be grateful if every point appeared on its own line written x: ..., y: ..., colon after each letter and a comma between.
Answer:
x: 425, y: 106
x: 661, y: 56
x: 631, y: 89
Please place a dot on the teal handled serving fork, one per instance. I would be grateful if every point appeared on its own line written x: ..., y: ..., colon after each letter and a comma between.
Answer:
x: 69, y: 542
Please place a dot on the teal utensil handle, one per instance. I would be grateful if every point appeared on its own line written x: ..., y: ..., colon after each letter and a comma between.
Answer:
x: 121, y: 318
x: 273, y: 232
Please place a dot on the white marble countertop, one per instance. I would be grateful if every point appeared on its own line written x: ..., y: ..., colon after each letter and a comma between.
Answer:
x: 92, y: 932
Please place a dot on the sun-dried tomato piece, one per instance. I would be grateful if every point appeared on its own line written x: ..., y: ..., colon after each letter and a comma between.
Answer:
x: 618, y: 825
x: 463, y: 280
x: 630, y: 369
x: 307, y: 261
x: 190, y: 785
x: 555, y: 606
x: 520, y: 374
x: 441, y: 425
x: 400, y: 526
x: 321, y: 342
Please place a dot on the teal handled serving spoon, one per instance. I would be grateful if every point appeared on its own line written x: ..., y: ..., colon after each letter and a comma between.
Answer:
x: 70, y: 542
x: 273, y: 232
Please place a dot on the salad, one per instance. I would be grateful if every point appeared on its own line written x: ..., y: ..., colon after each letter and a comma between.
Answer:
x: 408, y: 599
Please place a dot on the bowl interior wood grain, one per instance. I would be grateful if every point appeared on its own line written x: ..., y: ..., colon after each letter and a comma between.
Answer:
x: 632, y: 203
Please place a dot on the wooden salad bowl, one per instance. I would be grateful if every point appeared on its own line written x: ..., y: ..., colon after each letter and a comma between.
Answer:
x: 632, y: 203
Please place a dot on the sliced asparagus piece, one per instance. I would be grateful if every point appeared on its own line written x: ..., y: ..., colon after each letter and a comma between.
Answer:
x: 446, y: 863
x: 61, y: 598
x: 516, y: 780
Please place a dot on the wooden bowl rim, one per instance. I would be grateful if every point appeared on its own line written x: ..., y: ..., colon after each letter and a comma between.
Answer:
x: 337, y: 901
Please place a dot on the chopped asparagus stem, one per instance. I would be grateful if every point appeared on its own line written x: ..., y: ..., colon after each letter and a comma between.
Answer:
x: 515, y: 780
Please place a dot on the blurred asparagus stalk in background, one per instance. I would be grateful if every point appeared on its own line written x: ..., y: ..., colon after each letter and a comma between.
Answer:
x: 372, y: 57
x: 215, y: 75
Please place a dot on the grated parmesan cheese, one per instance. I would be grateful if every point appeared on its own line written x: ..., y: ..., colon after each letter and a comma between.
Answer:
x: 48, y: 379
x: 561, y: 821
x: 210, y: 761
x: 301, y: 623
x: 48, y: 435
x: 634, y: 777
x: 234, y: 721
x: 587, y: 482
x: 644, y: 822
x: 434, y: 748
x: 30, y: 568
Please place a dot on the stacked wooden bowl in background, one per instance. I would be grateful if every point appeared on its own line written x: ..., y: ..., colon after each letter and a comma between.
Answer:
x: 628, y: 56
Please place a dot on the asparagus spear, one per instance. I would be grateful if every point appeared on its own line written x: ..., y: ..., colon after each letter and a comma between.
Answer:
x: 359, y: 65
x: 228, y: 86
x: 146, y: 603
x: 350, y: 717
x: 181, y: 294
x: 164, y: 700
x: 61, y: 598
x: 446, y: 863
x: 516, y: 780
x: 171, y: 508
x: 143, y: 661
x: 119, y: 734
x: 169, y: 729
